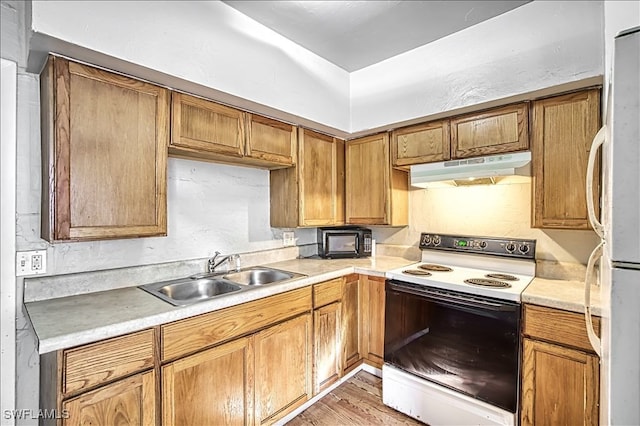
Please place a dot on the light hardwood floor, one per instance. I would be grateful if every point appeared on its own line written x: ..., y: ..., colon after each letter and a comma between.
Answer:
x: 358, y: 401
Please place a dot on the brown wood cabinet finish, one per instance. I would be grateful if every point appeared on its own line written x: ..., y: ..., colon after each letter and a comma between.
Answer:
x: 327, y: 292
x: 88, y: 366
x: 199, y: 125
x: 373, y: 307
x: 212, y: 387
x: 559, y: 385
x: 351, y: 344
x: 327, y: 331
x: 560, y: 372
x: 563, y: 128
x: 422, y: 143
x: 376, y: 194
x: 130, y: 401
x: 271, y: 140
x: 196, y: 333
x: 312, y: 193
x: 504, y: 129
x: 283, y: 371
x: 89, y: 114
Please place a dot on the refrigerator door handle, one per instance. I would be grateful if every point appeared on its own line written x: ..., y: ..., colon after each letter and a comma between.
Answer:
x: 598, y: 140
x: 593, y: 338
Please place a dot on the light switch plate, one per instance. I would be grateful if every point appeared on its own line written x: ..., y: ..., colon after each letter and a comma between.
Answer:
x: 32, y: 262
x: 288, y: 238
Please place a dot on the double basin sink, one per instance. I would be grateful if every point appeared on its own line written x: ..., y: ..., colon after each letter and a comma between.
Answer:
x: 197, y: 288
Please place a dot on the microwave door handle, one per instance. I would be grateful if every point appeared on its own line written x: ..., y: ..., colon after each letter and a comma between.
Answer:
x: 591, y: 334
x: 357, y: 244
x: 598, y: 140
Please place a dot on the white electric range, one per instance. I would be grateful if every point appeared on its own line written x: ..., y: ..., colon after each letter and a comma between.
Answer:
x: 452, y: 330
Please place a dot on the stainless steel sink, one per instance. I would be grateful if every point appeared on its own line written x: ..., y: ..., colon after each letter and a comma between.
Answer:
x: 260, y: 276
x: 187, y: 291
x: 198, y: 288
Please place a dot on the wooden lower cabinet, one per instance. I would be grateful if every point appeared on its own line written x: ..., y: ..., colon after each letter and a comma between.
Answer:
x: 211, y: 387
x: 559, y: 385
x: 282, y: 368
x: 351, y: 342
x: 560, y: 372
x: 130, y: 401
x: 327, y: 328
x: 372, y: 306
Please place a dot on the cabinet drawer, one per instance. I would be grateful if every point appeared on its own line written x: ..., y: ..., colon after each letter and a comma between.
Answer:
x: 97, y: 363
x: 192, y: 334
x: 555, y: 325
x: 327, y: 292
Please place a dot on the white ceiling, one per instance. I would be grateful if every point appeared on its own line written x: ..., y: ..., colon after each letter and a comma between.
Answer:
x: 356, y: 34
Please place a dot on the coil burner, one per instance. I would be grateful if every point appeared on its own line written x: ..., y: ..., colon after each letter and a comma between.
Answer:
x: 435, y: 268
x: 485, y: 282
x: 417, y: 272
x: 503, y: 277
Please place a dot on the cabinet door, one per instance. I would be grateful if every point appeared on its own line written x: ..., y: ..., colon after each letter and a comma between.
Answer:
x: 104, y: 140
x: 423, y: 143
x: 373, y: 319
x: 130, y: 401
x: 327, y: 337
x: 201, y: 126
x: 282, y: 368
x: 504, y: 129
x: 318, y: 179
x: 375, y: 194
x: 563, y: 128
x: 559, y: 385
x: 350, y: 322
x: 211, y: 387
x: 271, y: 140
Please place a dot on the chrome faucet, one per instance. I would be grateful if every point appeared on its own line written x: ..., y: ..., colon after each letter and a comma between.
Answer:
x: 212, y: 264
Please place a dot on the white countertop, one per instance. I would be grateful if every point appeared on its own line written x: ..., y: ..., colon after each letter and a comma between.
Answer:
x: 75, y: 320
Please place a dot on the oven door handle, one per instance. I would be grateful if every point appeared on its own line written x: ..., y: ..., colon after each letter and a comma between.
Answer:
x: 459, y: 300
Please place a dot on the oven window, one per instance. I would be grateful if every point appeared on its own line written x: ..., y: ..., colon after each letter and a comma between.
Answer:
x: 341, y: 243
x: 471, y: 350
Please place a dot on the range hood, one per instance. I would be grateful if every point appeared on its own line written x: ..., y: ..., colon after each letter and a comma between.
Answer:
x: 479, y: 168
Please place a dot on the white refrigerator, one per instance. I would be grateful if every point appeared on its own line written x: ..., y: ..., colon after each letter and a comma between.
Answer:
x: 618, y: 253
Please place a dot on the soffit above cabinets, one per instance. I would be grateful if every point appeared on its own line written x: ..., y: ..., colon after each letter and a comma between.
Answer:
x: 356, y: 34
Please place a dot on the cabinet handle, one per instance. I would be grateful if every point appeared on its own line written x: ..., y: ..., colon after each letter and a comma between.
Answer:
x: 598, y: 140
x: 593, y: 339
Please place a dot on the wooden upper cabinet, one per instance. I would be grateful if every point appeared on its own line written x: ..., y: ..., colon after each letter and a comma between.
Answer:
x: 563, y: 128
x: 271, y: 140
x: 201, y: 126
x: 104, y: 154
x: 312, y: 193
x: 375, y: 194
x: 504, y: 129
x: 423, y: 143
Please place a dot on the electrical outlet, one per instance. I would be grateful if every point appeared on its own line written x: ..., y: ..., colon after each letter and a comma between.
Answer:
x: 31, y: 262
x: 288, y: 238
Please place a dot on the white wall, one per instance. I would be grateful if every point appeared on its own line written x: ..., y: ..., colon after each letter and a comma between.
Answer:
x: 8, y: 236
x: 538, y: 45
x: 486, y: 210
x: 203, y: 42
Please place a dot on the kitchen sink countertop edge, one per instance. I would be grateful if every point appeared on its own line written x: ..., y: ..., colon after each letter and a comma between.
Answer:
x: 75, y: 320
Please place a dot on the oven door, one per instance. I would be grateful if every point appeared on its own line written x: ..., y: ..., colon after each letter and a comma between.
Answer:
x: 467, y: 343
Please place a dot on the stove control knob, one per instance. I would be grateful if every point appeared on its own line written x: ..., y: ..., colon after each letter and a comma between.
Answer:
x: 524, y: 248
x: 510, y: 247
x: 426, y: 240
x: 483, y: 244
x: 437, y: 240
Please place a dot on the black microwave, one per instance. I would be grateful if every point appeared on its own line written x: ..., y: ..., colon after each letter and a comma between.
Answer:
x: 343, y: 242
